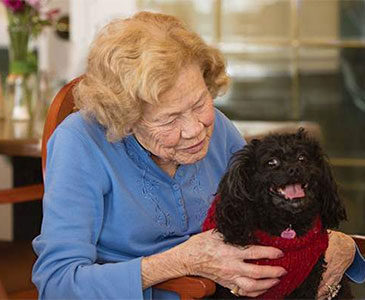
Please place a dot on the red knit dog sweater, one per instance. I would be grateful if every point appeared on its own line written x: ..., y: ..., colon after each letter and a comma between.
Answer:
x: 300, y: 254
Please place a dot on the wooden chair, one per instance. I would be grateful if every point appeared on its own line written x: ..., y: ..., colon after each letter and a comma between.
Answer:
x: 18, y: 283
x: 21, y: 194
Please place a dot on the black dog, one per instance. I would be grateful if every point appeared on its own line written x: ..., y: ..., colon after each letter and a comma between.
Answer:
x: 279, y: 191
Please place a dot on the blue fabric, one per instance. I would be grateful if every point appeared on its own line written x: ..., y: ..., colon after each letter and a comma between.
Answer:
x: 106, y: 205
x: 356, y: 272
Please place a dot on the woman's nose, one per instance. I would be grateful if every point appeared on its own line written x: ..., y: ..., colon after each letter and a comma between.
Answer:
x: 191, y: 127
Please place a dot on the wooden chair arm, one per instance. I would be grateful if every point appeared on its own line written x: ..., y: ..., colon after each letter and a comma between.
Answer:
x: 360, y: 241
x: 22, y: 194
x: 3, y: 294
x: 22, y: 295
x: 189, y: 287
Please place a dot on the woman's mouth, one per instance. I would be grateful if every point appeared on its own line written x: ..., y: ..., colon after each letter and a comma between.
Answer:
x: 194, y: 148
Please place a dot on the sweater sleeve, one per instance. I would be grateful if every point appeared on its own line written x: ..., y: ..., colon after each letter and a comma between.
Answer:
x: 67, y: 265
x: 356, y: 272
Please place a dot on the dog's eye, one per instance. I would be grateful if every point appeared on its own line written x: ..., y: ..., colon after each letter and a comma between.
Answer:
x: 273, y: 162
x: 302, y: 158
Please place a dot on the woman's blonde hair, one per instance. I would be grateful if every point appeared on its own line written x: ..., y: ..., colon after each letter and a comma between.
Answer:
x: 136, y: 60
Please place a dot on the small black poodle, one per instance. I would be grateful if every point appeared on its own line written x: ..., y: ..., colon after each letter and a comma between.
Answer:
x: 279, y: 191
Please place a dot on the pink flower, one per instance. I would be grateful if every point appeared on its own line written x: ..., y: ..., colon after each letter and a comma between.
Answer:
x: 36, y: 4
x: 51, y: 14
x: 14, y: 5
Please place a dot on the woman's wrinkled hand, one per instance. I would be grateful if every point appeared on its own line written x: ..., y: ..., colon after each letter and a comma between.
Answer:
x: 206, y: 255
x: 339, y: 256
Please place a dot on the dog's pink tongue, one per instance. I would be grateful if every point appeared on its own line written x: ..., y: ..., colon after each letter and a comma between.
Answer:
x: 294, y: 191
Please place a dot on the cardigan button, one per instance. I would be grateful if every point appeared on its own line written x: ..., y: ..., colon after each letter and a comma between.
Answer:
x: 175, y: 187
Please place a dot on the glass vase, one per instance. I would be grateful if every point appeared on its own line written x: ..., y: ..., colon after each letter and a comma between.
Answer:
x: 20, y: 96
x: 21, y: 87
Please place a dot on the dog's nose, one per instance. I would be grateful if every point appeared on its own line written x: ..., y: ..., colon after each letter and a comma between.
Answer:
x: 293, y: 171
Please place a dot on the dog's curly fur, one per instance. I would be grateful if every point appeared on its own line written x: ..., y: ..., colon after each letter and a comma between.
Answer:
x: 250, y: 199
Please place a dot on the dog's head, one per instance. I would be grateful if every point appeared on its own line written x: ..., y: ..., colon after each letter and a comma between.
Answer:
x: 279, y: 179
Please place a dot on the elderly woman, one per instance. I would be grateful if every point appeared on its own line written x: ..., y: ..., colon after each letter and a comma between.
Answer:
x: 131, y: 175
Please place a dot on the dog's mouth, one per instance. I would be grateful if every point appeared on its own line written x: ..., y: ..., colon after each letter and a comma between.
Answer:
x: 291, y: 197
x: 291, y: 191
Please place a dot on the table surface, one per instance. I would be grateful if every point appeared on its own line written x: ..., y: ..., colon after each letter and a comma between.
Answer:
x: 21, y: 138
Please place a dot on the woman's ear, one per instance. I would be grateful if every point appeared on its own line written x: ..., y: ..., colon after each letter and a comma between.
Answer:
x: 129, y: 129
x: 332, y: 207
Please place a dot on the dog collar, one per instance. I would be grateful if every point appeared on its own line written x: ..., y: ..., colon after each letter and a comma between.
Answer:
x: 288, y: 233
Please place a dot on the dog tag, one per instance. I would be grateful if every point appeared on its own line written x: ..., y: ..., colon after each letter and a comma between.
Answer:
x: 288, y: 234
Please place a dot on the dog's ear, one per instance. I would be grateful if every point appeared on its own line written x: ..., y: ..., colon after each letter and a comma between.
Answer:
x: 233, y: 210
x: 332, y: 208
x: 237, y: 180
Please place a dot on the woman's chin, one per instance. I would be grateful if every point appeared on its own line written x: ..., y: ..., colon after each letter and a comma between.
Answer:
x: 186, y: 158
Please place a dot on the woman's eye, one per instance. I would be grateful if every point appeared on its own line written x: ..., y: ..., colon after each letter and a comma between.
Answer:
x: 199, y: 107
x: 302, y: 157
x: 170, y: 122
x: 273, y: 162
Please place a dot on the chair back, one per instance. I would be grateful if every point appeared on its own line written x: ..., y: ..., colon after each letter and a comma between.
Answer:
x: 61, y: 106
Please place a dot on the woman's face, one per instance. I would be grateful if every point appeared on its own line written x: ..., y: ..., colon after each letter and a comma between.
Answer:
x: 179, y: 128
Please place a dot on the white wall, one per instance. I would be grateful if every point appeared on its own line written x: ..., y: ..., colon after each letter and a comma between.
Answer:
x: 87, y: 17
x: 54, y: 52
x: 4, y: 40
